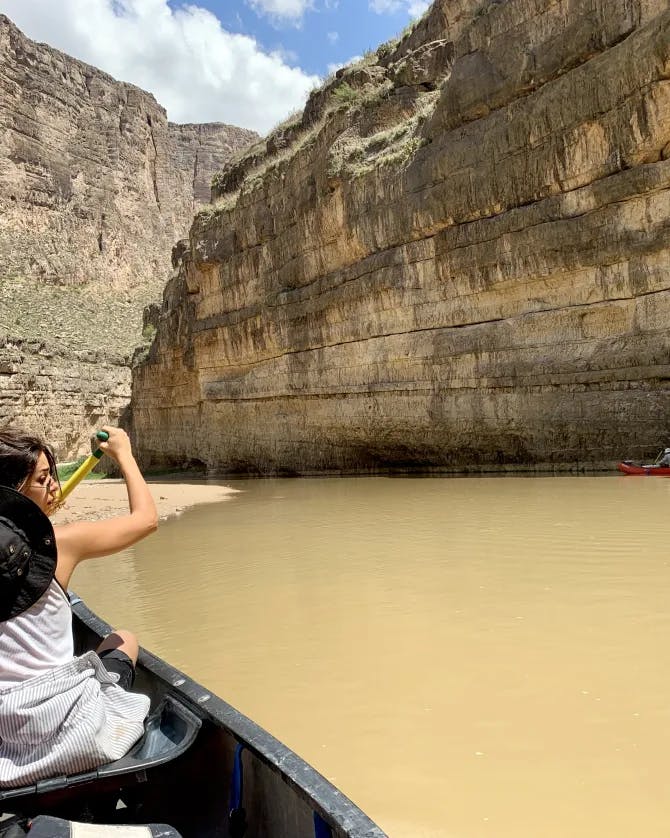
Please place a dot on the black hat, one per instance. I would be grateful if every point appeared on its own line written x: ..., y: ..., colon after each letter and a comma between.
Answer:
x: 27, y: 553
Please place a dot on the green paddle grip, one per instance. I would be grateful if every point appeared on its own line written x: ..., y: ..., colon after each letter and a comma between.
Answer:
x: 103, y: 436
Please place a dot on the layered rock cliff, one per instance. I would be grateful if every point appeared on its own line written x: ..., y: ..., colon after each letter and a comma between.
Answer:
x: 458, y: 257
x: 95, y: 187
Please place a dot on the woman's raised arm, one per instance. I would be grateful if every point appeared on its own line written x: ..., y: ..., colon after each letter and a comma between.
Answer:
x: 86, y: 540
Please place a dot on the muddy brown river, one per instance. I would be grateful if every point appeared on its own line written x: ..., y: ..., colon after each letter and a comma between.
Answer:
x: 463, y: 657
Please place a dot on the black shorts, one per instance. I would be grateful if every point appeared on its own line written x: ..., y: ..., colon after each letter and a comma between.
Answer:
x: 117, y: 661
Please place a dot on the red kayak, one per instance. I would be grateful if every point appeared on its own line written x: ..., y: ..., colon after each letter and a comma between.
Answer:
x: 628, y: 467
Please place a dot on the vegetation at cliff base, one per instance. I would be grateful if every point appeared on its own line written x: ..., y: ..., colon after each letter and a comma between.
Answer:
x: 66, y: 470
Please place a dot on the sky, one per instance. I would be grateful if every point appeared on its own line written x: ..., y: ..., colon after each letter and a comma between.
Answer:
x: 245, y: 62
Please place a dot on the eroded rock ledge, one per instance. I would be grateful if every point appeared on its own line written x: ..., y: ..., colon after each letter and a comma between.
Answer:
x: 458, y: 257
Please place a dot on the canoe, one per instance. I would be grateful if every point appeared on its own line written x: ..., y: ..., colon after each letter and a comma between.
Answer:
x: 629, y: 467
x: 202, y: 768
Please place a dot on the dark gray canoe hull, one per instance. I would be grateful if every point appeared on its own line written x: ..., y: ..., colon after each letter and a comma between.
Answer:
x: 282, y: 792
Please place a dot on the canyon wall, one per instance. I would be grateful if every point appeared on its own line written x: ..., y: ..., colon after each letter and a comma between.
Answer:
x: 457, y: 258
x: 95, y: 187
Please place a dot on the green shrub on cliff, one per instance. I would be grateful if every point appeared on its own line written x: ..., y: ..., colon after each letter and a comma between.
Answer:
x: 345, y: 94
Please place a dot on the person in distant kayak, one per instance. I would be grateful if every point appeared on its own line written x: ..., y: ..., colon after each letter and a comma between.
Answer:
x: 60, y: 714
x: 665, y: 459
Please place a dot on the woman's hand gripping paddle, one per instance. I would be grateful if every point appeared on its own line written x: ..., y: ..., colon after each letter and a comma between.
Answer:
x: 89, y: 463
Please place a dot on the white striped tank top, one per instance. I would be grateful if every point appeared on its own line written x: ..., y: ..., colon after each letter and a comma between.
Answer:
x: 38, y: 640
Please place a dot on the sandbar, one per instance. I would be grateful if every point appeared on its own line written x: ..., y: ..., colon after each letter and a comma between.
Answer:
x: 94, y: 500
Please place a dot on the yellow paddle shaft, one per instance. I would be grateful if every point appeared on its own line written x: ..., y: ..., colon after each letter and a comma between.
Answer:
x: 89, y: 463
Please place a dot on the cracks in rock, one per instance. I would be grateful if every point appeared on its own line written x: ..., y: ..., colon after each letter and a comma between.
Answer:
x: 195, y: 172
x: 153, y: 163
x: 101, y: 230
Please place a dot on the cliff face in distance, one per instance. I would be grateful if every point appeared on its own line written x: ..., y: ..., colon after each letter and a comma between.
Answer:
x: 199, y: 151
x: 458, y: 257
x: 95, y: 187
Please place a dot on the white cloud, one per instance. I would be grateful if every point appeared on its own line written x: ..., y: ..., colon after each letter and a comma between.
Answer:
x: 414, y: 8
x: 333, y: 37
x: 196, y: 69
x: 282, y: 10
x: 288, y: 56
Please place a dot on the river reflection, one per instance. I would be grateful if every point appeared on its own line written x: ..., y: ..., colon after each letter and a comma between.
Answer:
x: 462, y: 657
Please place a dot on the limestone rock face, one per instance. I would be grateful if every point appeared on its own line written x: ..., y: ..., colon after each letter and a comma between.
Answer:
x: 95, y: 187
x: 461, y: 264
x: 201, y: 150
x: 62, y: 395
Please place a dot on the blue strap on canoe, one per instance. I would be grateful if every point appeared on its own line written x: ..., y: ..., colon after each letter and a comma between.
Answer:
x: 321, y: 828
x: 237, y: 780
x: 237, y: 817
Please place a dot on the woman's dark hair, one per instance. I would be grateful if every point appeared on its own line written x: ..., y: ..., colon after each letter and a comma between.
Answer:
x: 19, y: 453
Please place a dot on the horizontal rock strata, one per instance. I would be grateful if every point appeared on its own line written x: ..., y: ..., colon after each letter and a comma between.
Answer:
x: 456, y: 264
x: 95, y: 187
x: 57, y: 394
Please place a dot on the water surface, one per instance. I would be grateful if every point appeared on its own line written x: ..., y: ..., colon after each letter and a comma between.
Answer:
x: 462, y: 657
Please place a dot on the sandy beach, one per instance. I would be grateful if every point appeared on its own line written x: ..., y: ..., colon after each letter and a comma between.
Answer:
x: 97, y: 499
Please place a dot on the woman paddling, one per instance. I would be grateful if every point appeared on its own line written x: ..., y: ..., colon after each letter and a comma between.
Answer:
x: 60, y: 714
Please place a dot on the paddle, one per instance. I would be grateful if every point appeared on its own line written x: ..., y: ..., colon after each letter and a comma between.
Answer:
x: 90, y: 462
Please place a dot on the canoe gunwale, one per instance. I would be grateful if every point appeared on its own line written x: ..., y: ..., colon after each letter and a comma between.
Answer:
x: 314, y: 789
